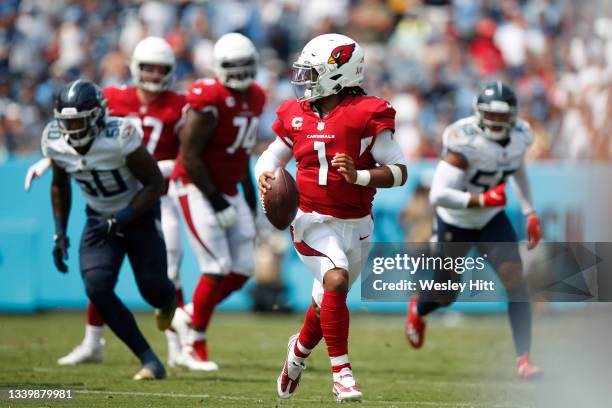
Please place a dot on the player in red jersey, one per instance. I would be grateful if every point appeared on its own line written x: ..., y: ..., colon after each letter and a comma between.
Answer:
x: 158, y: 111
x: 216, y: 141
x: 337, y: 135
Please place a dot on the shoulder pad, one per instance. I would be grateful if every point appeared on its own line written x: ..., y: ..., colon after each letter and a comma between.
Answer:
x: 50, y: 134
x: 460, y: 136
x: 523, y: 130
x: 286, y: 106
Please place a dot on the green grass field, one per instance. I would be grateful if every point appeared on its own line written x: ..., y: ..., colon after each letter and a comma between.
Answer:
x: 466, y: 362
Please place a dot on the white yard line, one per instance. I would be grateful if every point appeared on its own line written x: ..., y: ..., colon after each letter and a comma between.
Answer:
x: 253, y: 399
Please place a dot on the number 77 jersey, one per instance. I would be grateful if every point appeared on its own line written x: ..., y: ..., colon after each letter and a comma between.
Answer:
x: 160, y: 120
x: 227, y: 153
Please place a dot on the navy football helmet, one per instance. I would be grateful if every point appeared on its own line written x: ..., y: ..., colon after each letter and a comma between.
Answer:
x: 496, y: 109
x: 80, y: 109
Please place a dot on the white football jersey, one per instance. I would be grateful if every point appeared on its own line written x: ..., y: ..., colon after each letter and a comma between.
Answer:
x: 489, y: 164
x: 107, y: 183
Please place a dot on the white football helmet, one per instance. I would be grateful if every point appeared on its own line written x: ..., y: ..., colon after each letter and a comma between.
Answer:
x: 327, y: 64
x: 235, y: 61
x: 153, y: 51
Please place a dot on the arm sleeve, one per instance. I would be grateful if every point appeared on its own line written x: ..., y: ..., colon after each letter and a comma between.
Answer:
x: 522, y: 188
x: 276, y: 155
x: 386, y: 150
x: 446, y: 187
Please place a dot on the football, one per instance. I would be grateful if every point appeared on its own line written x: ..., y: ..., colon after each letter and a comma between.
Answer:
x: 281, y: 203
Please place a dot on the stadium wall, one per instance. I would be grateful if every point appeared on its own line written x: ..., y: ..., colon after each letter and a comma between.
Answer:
x: 30, y: 281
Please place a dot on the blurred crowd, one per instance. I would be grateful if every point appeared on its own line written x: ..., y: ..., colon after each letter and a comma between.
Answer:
x: 428, y: 57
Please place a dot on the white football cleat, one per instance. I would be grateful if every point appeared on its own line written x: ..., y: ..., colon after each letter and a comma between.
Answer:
x: 289, y: 379
x: 181, y: 323
x: 345, y: 389
x: 83, y: 353
x: 174, y: 348
x: 190, y: 359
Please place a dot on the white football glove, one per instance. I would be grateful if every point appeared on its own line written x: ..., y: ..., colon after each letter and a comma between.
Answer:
x: 166, y: 167
x: 225, y: 212
x: 227, y: 217
x: 36, y: 170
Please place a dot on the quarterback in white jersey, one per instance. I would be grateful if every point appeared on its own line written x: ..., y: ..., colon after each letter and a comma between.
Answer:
x: 122, y: 185
x: 481, y: 153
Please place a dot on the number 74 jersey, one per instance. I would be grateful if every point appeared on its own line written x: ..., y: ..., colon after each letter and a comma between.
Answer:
x: 107, y: 183
x: 227, y: 153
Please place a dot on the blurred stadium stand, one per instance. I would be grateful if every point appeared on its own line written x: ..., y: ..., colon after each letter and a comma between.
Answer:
x: 427, y: 57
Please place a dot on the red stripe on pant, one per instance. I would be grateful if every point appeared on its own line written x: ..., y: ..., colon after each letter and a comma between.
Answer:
x: 184, y: 200
x: 306, y: 250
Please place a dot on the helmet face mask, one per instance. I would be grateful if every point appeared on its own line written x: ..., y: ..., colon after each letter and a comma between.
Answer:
x: 304, y: 79
x: 235, y: 61
x: 327, y: 64
x: 153, y: 65
x: 238, y: 74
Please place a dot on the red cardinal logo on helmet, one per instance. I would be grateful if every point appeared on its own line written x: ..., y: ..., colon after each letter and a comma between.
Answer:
x: 341, y: 54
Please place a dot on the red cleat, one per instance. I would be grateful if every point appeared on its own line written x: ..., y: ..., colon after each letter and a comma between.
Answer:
x: 415, y: 325
x: 525, y: 370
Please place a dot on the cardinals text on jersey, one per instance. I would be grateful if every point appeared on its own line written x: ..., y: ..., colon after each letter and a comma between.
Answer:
x: 237, y: 114
x: 350, y: 128
x: 489, y: 164
x: 160, y: 120
x: 107, y: 183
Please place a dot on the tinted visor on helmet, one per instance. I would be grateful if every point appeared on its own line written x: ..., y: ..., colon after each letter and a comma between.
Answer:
x: 303, y: 78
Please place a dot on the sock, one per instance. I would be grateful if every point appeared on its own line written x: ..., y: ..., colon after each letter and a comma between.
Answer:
x: 198, y: 340
x: 93, y: 335
x: 335, y: 326
x: 149, y: 360
x: 180, y: 300
x: 230, y: 283
x: 340, y: 363
x: 519, y: 313
x: 311, y: 333
x: 204, y: 302
x: 424, y: 307
x: 93, y: 317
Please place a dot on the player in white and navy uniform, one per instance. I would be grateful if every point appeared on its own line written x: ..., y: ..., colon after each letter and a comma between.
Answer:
x: 481, y: 153
x: 122, y: 185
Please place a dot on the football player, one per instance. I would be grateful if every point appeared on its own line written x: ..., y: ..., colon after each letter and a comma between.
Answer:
x: 158, y: 111
x: 343, y: 143
x: 215, y: 144
x: 468, y: 192
x: 122, y: 185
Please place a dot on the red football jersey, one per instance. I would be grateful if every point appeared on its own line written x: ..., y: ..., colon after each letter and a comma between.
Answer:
x: 227, y: 154
x: 350, y: 128
x: 160, y: 120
